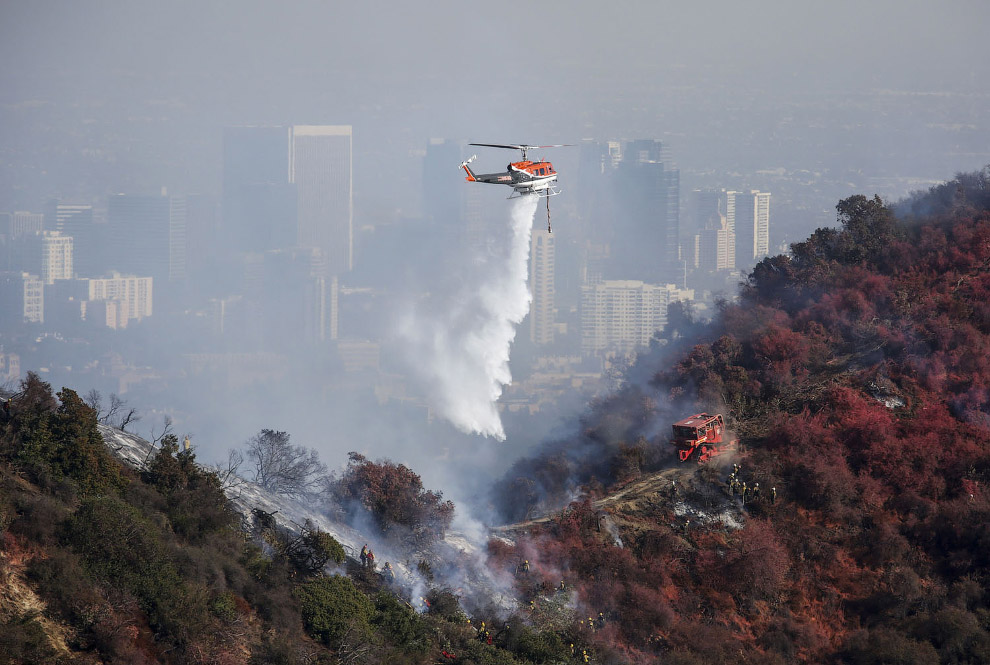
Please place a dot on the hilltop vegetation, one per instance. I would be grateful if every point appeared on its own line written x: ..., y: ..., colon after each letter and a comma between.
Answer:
x: 857, y: 371
x: 100, y: 563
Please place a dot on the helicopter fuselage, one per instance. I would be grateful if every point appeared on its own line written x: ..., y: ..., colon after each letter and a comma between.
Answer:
x: 525, y: 177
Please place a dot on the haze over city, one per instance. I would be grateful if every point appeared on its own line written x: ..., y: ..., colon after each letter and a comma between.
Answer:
x: 115, y: 108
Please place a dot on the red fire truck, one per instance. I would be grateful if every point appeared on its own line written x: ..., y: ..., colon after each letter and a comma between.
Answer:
x: 704, y: 433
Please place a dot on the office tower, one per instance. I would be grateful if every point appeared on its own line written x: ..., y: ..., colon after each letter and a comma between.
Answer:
x: 56, y: 256
x: 177, y: 218
x: 136, y: 293
x: 24, y: 293
x: 541, y: 270
x: 443, y: 184
x: 293, y: 294
x: 622, y: 315
x: 88, y: 241
x: 10, y: 367
x: 146, y: 236
x: 320, y: 167
x: 67, y: 218
x: 202, y: 241
x: 752, y: 227
x: 716, y: 250
x: 26, y: 223
x: 259, y: 202
x: 645, y: 243
x: 714, y: 246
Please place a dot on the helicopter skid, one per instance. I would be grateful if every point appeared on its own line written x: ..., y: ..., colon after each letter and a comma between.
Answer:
x: 542, y: 193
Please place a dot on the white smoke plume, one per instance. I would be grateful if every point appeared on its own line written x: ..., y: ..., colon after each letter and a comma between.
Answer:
x: 461, y: 349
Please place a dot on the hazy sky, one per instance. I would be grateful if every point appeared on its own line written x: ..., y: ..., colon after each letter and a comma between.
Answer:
x: 154, y: 82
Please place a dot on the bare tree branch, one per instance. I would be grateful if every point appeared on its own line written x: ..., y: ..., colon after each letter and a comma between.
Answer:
x: 94, y: 400
x: 283, y: 468
x: 130, y: 417
x: 229, y: 472
x: 116, y: 404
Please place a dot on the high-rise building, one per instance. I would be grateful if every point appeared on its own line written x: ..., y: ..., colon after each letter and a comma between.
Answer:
x: 88, y: 242
x: 56, y: 256
x: 716, y: 240
x: 259, y: 202
x: 146, y: 236
x: 26, y: 223
x: 25, y: 293
x: 752, y: 227
x: 320, y: 166
x: 646, y: 238
x: 622, y: 315
x: 443, y: 186
x: 293, y: 293
x: 715, y: 243
x: 10, y: 367
x: 202, y: 241
x: 134, y: 292
x: 542, y: 262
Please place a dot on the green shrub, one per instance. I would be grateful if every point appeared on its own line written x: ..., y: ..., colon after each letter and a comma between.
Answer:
x: 58, y: 441
x: 23, y: 640
x: 224, y: 607
x: 331, y: 606
x: 399, y: 625
x: 65, y: 586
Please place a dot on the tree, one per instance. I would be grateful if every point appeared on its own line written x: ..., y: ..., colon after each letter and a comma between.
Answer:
x: 283, y: 468
x: 394, y: 495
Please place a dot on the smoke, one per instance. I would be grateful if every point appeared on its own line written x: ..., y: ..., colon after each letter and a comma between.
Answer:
x: 461, y: 347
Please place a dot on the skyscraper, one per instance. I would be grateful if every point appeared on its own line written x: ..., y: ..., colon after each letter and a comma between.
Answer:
x: 752, y: 227
x: 645, y: 244
x: 25, y: 223
x: 22, y: 293
x: 146, y: 236
x: 622, y: 315
x: 77, y: 222
x: 443, y: 187
x: 259, y: 202
x: 320, y: 166
x: 712, y: 219
x: 541, y: 269
x: 56, y: 256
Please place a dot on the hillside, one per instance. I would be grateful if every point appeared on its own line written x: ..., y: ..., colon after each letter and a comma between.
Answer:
x: 855, y: 371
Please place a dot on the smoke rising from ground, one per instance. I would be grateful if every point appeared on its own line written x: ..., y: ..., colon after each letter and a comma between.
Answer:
x: 460, y: 349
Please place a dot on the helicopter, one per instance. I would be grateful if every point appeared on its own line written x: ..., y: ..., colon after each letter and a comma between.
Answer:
x: 525, y: 177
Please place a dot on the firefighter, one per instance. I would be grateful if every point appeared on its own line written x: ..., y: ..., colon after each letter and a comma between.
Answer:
x: 389, y: 573
x: 371, y: 560
x: 562, y: 587
x: 584, y: 656
x: 364, y: 556
x: 591, y: 624
x: 756, y: 492
x: 773, y: 495
x: 525, y: 566
x: 731, y: 483
x: 601, y: 620
x: 735, y: 469
x: 745, y: 492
